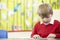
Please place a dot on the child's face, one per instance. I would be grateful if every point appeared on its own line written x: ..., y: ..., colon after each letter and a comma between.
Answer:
x: 46, y: 19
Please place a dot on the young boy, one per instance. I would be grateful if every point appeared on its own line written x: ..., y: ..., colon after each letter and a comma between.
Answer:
x: 48, y: 27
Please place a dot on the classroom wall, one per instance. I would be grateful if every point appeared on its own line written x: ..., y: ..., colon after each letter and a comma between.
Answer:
x: 56, y: 14
x: 22, y: 14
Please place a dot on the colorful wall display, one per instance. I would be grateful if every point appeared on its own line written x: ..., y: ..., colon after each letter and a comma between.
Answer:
x: 21, y: 14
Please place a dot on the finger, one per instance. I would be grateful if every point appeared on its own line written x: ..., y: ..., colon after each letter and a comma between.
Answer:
x: 35, y: 37
x: 48, y: 36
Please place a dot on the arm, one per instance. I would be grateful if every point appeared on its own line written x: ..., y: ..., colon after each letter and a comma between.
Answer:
x: 34, y: 31
x: 58, y: 31
x: 56, y: 34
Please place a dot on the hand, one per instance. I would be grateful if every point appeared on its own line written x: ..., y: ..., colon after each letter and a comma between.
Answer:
x: 36, y: 36
x: 51, y: 36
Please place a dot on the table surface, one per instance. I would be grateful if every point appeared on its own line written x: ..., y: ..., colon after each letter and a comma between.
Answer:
x: 30, y: 39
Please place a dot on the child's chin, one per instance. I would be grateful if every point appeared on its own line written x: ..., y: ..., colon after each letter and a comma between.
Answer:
x: 46, y: 22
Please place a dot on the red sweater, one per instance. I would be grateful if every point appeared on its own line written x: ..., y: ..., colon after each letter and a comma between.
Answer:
x: 45, y: 30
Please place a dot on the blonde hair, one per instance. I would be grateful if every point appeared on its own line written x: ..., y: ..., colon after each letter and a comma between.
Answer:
x: 45, y: 9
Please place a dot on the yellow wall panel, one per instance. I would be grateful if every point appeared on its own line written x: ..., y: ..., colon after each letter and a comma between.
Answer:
x: 21, y: 14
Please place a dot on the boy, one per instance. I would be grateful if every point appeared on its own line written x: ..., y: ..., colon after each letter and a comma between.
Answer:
x: 48, y: 27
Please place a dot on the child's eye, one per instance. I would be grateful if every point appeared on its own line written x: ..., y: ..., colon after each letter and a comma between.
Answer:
x: 45, y: 17
x: 42, y: 17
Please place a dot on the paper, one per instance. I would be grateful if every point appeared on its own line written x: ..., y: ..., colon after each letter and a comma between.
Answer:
x: 2, y: 5
x: 4, y: 16
x: 27, y: 23
x: 10, y: 13
x: 29, y: 14
x: 29, y: 4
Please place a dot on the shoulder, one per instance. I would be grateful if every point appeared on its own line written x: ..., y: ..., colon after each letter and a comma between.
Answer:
x: 37, y: 23
x: 56, y: 21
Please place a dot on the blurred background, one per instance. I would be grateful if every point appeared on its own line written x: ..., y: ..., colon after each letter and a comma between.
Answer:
x: 21, y: 15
